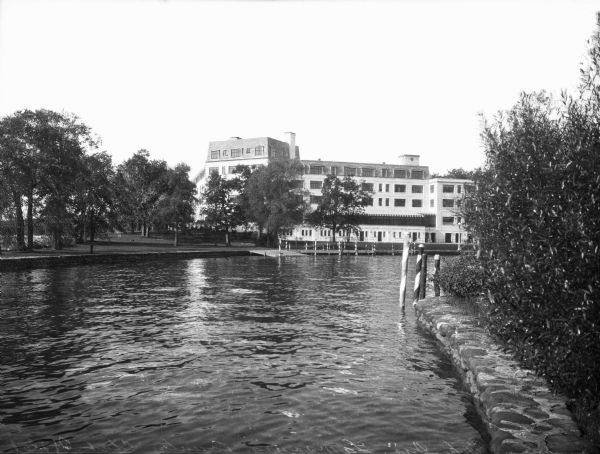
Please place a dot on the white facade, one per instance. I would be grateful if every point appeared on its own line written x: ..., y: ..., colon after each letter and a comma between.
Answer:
x: 406, y: 202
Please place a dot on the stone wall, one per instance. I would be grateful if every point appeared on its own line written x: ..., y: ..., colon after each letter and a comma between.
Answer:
x: 520, y: 412
x: 50, y: 261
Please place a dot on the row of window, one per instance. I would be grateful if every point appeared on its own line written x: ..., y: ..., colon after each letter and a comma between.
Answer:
x: 374, y: 235
x: 369, y: 187
x: 366, y: 172
x: 237, y: 152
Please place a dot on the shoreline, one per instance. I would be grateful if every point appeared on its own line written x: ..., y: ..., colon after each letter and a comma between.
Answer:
x: 28, y: 262
x: 518, y: 409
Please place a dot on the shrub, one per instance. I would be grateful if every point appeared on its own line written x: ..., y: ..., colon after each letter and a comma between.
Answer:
x: 461, y: 276
x: 537, y: 207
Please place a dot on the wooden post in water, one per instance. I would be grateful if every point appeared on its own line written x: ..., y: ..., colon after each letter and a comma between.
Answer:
x: 417, y: 289
x: 404, y: 271
x: 423, y: 283
x: 315, y: 247
x: 436, y: 272
x: 392, y: 249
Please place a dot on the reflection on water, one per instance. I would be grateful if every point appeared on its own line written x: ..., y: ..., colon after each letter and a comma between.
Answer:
x: 244, y: 354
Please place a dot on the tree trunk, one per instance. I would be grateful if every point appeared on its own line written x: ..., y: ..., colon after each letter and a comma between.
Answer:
x: 30, y: 219
x: 19, y: 224
x: 92, y: 233
x: 176, y: 239
x: 227, y: 242
x: 57, y: 239
x: 333, y: 229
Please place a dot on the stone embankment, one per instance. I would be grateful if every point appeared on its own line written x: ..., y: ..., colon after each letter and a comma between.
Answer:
x: 520, y: 412
x: 51, y: 261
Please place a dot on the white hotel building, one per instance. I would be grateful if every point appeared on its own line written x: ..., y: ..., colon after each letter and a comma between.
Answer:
x: 406, y: 202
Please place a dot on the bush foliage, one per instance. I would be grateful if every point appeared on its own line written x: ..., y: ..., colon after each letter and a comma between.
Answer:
x: 461, y: 276
x: 536, y: 209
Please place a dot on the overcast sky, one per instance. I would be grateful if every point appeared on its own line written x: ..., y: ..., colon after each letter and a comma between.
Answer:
x: 356, y: 80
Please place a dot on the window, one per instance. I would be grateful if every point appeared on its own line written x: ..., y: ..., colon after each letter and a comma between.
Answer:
x: 259, y: 151
x: 368, y: 172
x: 448, y: 237
x: 213, y: 170
x: 380, y: 187
x: 387, y: 188
x: 446, y: 220
x: 399, y: 188
x: 399, y: 202
x: 214, y: 154
x: 458, y: 219
x: 386, y: 173
x: 417, y: 203
x: 233, y: 169
x: 316, y: 199
x: 316, y: 170
x: 248, y: 150
x: 458, y: 188
x: 399, y: 173
x: 236, y: 152
x: 417, y: 174
x: 316, y: 184
x: 367, y: 187
x: 225, y: 153
x: 469, y: 187
x: 416, y: 189
x: 431, y: 188
x: 350, y: 171
x: 387, y: 202
x: 369, y: 201
x: 334, y: 170
x: 448, y: 188
x: 448, y: 203
x: 431, y: 203
x: 380, y: 202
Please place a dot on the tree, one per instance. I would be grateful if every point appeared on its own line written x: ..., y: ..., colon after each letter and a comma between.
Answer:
x: 94, y: 195
x: 221, y: 205
x: 42, y: 153
x: 12, y: 148
x: 141, y: 182
x: 176, y: 205
x: 458, y: 173
x: 536, y: 207
x: 341, y: 204
x: 272, y: 197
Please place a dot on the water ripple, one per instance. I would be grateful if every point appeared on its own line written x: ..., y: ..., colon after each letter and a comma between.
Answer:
x: 222, y: 355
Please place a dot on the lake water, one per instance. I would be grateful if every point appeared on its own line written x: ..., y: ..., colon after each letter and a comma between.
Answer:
x: 309, y: 354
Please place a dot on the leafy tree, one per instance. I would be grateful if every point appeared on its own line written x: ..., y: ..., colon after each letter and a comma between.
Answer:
x: 272, y: 198
x: 42, y: 151
x: 12, y: 148
x: 456, y: 173
x: 176, y: 205
x: 94, y: 195
x: 221, y: 206
x: 61, y: 141
x: 536, y: 207
x: 142, y: 182
x: 342, y: 203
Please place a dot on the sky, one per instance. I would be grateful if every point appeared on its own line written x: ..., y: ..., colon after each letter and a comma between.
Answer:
x: 361, y: 81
